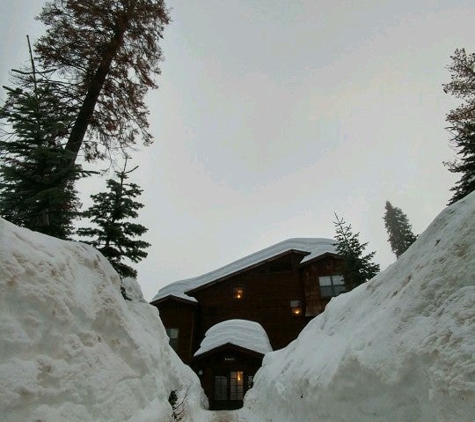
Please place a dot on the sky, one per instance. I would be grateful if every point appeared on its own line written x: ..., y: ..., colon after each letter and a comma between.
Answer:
x: 271, y: 116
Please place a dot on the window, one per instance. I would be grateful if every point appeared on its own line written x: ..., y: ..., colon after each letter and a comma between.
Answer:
x: 237, y: 386
x: 331, y: 285
x: 172, y: 334
x: 250, y: 381
x: 238, y: 292
x: 296, y: 306
x: 220, y: 387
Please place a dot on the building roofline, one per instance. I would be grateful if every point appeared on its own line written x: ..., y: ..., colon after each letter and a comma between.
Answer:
x: 224, y: 346
x: 310, y: 247
x: 242, y: 270
x: 192, y: 301
x: 318, y: 258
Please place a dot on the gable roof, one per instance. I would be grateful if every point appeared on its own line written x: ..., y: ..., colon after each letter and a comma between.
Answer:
x: 312, y: 247
x: 246, y: 334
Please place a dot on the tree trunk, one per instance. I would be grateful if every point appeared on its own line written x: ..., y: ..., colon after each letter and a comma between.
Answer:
x: 86, y: 111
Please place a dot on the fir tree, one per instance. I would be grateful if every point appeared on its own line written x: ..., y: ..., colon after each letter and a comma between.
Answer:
x: 115, y: 235
x: 464, y: 139
x: 36, y: 190
x: 357, y: 268
x: 462, y: 122
x: 399, y: 229
x: 108, y: 52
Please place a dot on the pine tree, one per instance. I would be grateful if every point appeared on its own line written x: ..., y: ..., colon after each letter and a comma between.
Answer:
x: 36, y: 190
x: 108, y: 52
x: 399, y: 229
x: 114, y: 235
x: 462, y: 122
x: 464, y: 139
x: 357, y: 268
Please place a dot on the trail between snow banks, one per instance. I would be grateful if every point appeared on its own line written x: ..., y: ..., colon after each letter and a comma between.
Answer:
x: 226, y: 416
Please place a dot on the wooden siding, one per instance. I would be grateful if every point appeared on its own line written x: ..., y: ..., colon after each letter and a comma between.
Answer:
x: 181, y: 315
x: 268, y: 290
x: 315, y: 304
x: 221, y: 362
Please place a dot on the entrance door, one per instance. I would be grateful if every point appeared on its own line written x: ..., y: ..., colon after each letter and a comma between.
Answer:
x: 228, y: 390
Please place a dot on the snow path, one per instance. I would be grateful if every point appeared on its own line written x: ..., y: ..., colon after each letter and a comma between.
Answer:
x: 224, y: 416
x: 241, y: 415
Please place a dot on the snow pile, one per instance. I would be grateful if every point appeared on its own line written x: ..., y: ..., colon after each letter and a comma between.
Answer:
x: 315, y: 247
x: 72, y: 349
x: 399, y: 348
x: 247, y: 334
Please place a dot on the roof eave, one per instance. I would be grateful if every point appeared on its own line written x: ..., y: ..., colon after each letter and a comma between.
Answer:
x: 228, y: 345
x: 175, y: 298
x: 320, y: 257
x: 242, y: 270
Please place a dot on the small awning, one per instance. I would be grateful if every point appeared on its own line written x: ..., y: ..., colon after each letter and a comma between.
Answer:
x: 242, y: 333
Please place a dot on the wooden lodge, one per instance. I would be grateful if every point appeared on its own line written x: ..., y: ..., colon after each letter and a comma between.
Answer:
x: 222, y: 323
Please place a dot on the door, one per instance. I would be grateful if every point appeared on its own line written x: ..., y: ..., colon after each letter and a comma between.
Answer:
x: 228, y: 390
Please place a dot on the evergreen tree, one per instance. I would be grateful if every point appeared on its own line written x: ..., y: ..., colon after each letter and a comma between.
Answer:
x: 36, y: 190
x: 108, y: 52
x: 357, y: 268
x: 464, y: 139
x: 462, y: 122
x: 114, y: 235
x: 399, y: 229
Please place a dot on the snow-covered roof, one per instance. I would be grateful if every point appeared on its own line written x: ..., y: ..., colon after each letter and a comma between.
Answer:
x: 240, y: 332
x: 315, y: 247
x: 177, y: 295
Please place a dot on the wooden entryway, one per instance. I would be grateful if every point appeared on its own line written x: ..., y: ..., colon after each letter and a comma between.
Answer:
x: 229, y: 387
x: 226, y: 373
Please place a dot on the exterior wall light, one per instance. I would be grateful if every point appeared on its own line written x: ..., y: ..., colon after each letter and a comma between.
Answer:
x: 296, y: 306
x: 238, y: 292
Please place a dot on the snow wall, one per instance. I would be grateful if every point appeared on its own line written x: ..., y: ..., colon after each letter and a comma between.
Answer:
x: 71, y: 348
x: 398, y: 348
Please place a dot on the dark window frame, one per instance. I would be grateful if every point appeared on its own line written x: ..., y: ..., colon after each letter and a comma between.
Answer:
x: 220, y: 387
x: 236, y: 385
x: 173, y: 334
x: 332, y: 289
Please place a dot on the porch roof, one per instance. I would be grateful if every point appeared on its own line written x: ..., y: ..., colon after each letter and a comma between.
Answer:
x: 242, y: 333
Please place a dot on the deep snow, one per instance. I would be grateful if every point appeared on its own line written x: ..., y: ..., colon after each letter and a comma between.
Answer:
x: 400, y: 348
x: 72, y: 349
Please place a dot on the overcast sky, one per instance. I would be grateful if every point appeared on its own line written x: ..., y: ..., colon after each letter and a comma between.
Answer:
x: 272, y: 115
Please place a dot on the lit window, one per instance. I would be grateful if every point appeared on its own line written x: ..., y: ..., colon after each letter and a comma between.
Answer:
x: 331, y: 285
x: 296, y: 307
x: 236, y: 385
x: 238, y: 292
x: 172, y: 334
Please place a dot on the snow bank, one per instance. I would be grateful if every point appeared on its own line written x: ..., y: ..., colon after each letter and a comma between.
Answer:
x: 399, y: 348
x: 240, y: 332
x: 72, y: 349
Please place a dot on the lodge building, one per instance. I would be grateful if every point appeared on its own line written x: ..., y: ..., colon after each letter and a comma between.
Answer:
x: 222, y: 323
